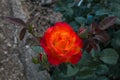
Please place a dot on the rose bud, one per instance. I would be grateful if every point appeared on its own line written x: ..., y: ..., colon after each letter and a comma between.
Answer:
x: 83, y: 32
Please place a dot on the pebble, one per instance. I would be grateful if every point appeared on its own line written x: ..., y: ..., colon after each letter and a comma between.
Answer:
x: 9, y: 45
x: 27, y: 46
x: 5, y: 52
x: 1, y: 69
x: 1, y: 36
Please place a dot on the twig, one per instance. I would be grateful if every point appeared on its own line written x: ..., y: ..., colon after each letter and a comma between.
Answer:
x: 80, y: 2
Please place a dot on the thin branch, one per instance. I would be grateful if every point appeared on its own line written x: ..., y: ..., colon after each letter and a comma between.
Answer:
x: 80, y: 2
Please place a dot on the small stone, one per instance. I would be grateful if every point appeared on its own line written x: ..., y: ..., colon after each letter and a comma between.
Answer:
x: 8, y: 44
x: 5, y: 52
x: 21, y: 74
x: 15, y: 45
x: 1, y: 36
x: 15, y: 40
x: 27, y: 46
x: 1, y: 69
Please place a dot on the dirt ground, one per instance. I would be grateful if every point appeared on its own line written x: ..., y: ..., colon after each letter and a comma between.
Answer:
x: 11, y: 68
x: 16, y: 55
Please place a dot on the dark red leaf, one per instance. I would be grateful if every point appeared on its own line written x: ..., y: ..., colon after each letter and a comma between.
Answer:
x: 89, y: 48
x: 107, y: 22
x: 22, y: 33
x: 16, y: 21
x: 93, y: 26
x: 102, y: 37
x: 98, y: 30
x: 95, y: 29
x: 86, y: 47
x: 91, y: 44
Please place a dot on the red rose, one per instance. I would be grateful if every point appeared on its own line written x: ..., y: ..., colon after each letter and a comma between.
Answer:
x: 61, y: 44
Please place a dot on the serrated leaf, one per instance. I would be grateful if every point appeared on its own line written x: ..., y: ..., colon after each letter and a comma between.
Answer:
x: 37, y: 49
x: 22, y: 33
x: 109, y: 56
x: 107, y: 22
x: 16, y: 21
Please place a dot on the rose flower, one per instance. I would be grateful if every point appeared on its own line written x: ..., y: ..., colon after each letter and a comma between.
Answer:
x: 61, y: 44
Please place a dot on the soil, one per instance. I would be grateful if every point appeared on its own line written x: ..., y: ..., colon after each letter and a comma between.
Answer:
x: 16, y: 55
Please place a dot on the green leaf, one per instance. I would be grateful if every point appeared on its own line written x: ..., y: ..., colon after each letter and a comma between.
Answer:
x: 37, y: 49
x: 117, y: 34
x: 71, y: 71
x: 116, y: 13
x: 80, y: 20
x: 63, y: 68
x: 101, y: 12
x: 116, y: 43
x: 93, y: 65
x: 102, y: 69
x: 74, y: 25
x: 109, y: 56
x: 30, y: 28
x: 115, y: 71
x: 86, y: 73
x: 71, y: 5
x: 93, y: 53
x: 102, y: 78
x: 115, y: 8
x: 116, y: 40
x: 69, y: 11
x: 36, y: 60
x: 86, y: 58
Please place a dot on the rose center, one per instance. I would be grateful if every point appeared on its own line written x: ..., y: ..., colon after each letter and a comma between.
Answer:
x: 62, y: 41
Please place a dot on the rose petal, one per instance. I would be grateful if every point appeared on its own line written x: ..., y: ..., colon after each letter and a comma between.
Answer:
x: 75, y: 58
x: 53, y: 60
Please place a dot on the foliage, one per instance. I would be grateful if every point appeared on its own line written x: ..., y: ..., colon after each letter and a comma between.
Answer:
x: 95, y: 22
